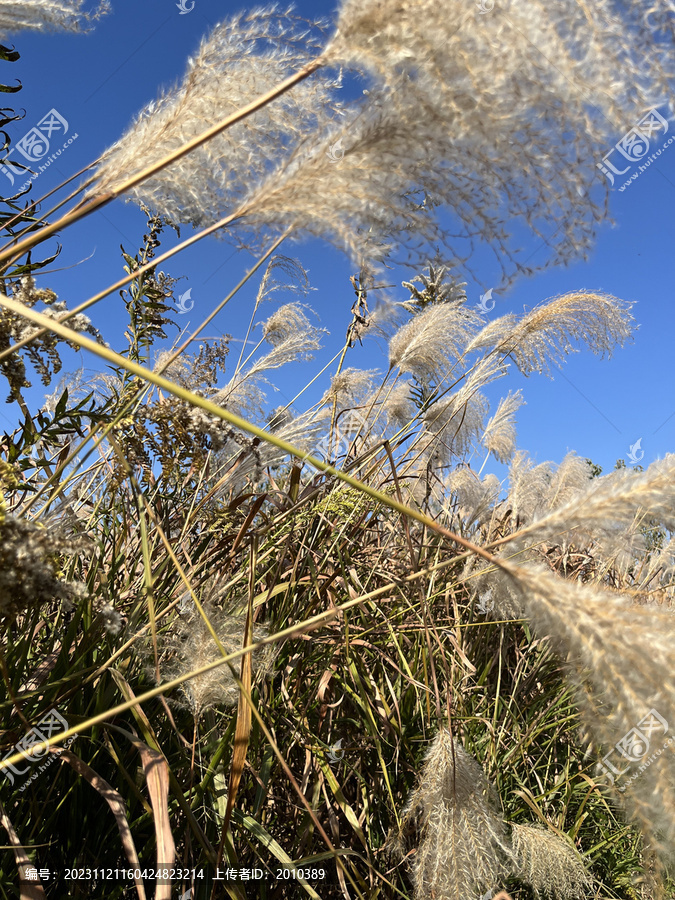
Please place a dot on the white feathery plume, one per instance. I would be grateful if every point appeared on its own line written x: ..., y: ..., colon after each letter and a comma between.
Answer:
x: 46, y: 15
x: 292, y: 337
x: 475, y: 497
x: 571, y: 478
x: 425, y: 346
x: 462, y: 844
x: 351, y: 184
x: 620, y: 656
x: 190, y: 645
x: 398, y: 405
x: 443, y: 125
x: 241, y: 395
x: 499, y: 437
x: 451, y: 428
x: 549, y: 863
x: 296, y: 278
x: 612, y: 502
x: 288, y: 320
x: 662, y: 562
x: 241, y: 59
x: 528, y: 483
x: 490, y: 80
x: 349, y: 387
x: 545, y: 334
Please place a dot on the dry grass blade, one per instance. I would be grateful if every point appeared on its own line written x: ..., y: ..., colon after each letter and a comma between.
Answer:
x: 29, y: 890
x: 243, y: 730
x: 116, y: 804
x: 156, y: 772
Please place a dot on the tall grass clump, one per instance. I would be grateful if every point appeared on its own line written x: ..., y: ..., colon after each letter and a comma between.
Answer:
x: 320, y: 636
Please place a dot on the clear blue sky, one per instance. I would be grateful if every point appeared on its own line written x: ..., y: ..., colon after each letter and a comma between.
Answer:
x: 100, y: 80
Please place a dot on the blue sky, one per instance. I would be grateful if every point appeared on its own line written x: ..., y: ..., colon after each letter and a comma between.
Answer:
x: 98, y: 82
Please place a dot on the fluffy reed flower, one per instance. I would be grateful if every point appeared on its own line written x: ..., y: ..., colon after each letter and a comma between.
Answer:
x: 285, y: 324
x: 242, y: 59
x: 352, y: 183
x: 465, y: 113
x: 549, y: 864
x: 29, y: 564
x: 463, y: 846
x: 499, y: 437
x: 426, y: 345
x: 349, y: 387
x: 505, y: 106
x: 544, y: 335
x: 453, y: 426
x: 190, y: 645
x: 475, y: 497
x: 528, y: 483
x: 662, y: 563
x: 605, y: 510
x: 304, y: 431
x: 290, y: 346
x: 535, y: 490
x: 462, y: 841
x: 398, y: 404
x: 46, y: 15
x: 619, y: 656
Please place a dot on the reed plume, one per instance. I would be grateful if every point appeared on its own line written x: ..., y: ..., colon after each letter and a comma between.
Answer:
x: 546, y: 334
x: 427, y: 345
x: 462, y: 840
x: 46, y: 15
x: 463, y: 844
x: 499, y: 436
x: 240, y: 60
x: 189, y: 645
x: 475, y: 498
x: 548, y: 863
x: 606, y: 511
x: 618, y: 655
x: 505, y: 106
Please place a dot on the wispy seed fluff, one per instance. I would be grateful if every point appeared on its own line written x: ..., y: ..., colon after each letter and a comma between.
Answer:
x: 605, y: 512
x: 509, y: 85
x: 466, y: 112
x: 349, y: 387
x: 475, y: 498
x: 499, y: 436
x: 426, y: 345
x: 462, y: 840
x: 46, y: 15
x: 463, y: 844
x: 619, y: 655
x: 189, y: 645
x: 398, y: 404
x: 551, y: 866
x: 546, y: 334
x: 242, y: 59
x: 286, y: 322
